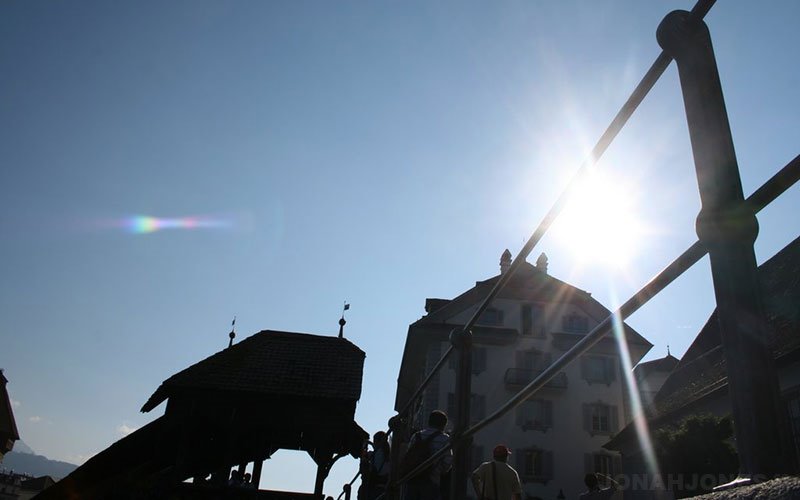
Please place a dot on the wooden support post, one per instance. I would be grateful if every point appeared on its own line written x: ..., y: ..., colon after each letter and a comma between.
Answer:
x: 257, y: 467
x: 324, y: 461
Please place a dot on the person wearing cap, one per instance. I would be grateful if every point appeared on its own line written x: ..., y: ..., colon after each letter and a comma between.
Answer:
x: 496, y: 480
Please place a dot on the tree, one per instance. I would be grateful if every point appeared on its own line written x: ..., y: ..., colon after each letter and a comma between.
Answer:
x: 696, y: 455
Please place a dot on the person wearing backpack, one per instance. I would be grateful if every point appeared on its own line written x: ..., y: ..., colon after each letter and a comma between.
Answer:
x: 496, y: 480
x: 375, y: 467
x: 423, y: 444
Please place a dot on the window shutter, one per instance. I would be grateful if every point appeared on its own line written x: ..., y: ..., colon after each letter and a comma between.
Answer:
x: 548, y: 413
x: 451, y: 406
x: 526, y: 319
x: 587, y: 418
x: 585, y: 368
x: 617, y: 465
x: 547, y: 464
x: 588, y: 462
x: 479, y: 412
x: 611, y: 370
x: 614, y: 424
x: 479, y: 360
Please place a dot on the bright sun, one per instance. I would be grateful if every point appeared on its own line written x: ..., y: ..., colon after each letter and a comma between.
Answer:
x: 599, y: 223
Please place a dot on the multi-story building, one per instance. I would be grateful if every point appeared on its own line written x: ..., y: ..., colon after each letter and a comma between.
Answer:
x: 558, y: 434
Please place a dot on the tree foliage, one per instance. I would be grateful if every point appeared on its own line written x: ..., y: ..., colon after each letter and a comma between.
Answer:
x: 697, y: 454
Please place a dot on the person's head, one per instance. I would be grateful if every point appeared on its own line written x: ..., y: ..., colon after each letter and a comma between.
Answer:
x: 590, y: 480
x: 501, y: 453
x: 438, y: 420
x: 247, y: 477
x: 379, y: 437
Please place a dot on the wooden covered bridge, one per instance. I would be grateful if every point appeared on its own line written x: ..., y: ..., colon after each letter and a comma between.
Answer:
x: 274, y: 390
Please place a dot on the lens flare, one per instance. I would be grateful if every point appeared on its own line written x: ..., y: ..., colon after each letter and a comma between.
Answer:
x: 144, y: 224
x: 639, y: 418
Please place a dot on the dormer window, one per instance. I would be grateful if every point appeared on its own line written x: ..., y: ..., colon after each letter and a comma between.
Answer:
x: 491, y: 317
x: 575, y: 323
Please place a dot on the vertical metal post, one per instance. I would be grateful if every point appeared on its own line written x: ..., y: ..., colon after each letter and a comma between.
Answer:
x: 347, y: 488
x: 462, y: 341
x: 728, y: 228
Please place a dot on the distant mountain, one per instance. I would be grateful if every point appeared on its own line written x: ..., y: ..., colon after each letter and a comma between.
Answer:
x: 21, y: 447
x: 35, y: 465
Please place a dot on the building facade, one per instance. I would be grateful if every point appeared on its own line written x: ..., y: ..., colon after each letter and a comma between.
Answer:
x: 557, y: 435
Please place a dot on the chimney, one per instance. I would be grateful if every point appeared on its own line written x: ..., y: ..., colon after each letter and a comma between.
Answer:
x: 505, y: 261
x: 541, y: 263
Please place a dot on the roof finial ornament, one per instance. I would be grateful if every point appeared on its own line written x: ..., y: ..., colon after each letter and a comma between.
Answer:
x: 233, y: 332
x: 541, y: 263
x: 668, y: 354
x: 343, y: 321
x: 505, y: 261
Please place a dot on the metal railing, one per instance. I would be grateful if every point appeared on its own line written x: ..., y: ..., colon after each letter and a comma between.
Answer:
x: 723, y: 224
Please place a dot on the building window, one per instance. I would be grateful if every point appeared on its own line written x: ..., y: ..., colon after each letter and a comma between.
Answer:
x: 535, y: 465
x: 533, y: 360
x: 598, y: 369
x: 535, y: 415
x: 600, y: 418
x: 477, y: 407
x: 491, y: 317
x: 532, y: 319
x: 603, y: 462
x: 478, y: 360
x: 575, y: 323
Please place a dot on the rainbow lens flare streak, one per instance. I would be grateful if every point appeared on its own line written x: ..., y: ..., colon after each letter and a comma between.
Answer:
x: 143, y: 224
x: 639, y: 418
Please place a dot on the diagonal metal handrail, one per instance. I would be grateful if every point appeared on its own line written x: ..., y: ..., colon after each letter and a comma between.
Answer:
x: 763, y: 196
x: 647, y: 82
x: 348, y: 485
x: 700, y: 9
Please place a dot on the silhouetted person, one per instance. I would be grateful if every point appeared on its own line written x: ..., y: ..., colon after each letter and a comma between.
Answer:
x: 236, y: 479
x: 595, y: 492
x: 426, y: 486
x: 247, y: 483
x: 375, y: 468
x: 496, y: 480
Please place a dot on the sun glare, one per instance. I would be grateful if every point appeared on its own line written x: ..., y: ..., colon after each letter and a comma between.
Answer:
x: 599, y: 223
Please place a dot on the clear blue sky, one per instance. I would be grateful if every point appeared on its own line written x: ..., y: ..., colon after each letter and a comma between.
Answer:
x: 374, y: 152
